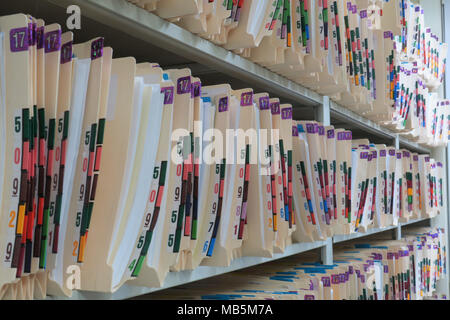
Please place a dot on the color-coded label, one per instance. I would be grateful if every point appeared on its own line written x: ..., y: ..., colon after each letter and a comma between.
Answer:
x: 97, y: 48
x: 66, y: 52
x: 264, y: 103
x: 223, y: 104
x: 275, y: 107
x: 52, y: 41
x: 286, y: 113
x: 168, y: 94
x: 19, y: 39
x: 184, y: 85
x: 246, y: 99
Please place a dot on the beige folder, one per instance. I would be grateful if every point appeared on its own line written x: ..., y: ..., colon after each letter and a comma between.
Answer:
x: 259, y: 212
x: 16, y: 71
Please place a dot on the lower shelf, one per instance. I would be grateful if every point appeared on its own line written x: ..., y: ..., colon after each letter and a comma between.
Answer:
x: 179, y: 278
x: 342, y: 238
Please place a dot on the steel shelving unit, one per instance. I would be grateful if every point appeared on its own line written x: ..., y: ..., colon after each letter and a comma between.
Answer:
x: 128, y: 21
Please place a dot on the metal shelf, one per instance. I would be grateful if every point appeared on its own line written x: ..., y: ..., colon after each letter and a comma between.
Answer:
x: 203, y: 272
x: 343, y: 238
x: 348, y: 116
x: 152, y: 30
x: 138, y: 23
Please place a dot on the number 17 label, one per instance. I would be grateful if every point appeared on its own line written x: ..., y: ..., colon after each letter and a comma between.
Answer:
x: 18, y: 39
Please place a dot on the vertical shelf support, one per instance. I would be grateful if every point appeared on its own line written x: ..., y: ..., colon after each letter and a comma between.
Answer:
x: 326, y: 252
x: 322, y: 112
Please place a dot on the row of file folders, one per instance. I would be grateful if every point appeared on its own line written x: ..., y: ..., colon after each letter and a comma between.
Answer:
x: 128, y: 171
x: 375, y: 57
x: 407, y: 269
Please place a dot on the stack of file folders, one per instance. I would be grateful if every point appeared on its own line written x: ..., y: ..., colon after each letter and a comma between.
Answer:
x: 408, y: 269
x: 126, y: 171
x: 376, y: 57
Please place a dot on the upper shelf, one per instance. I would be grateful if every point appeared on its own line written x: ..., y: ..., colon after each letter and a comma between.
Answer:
x: 124, y: 24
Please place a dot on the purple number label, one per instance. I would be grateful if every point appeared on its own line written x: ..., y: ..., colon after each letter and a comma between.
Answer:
x: 66, y: 52
x: 374, y: 155
x: 32, y: 34
x: 196, y: 89
x: 40, y: 37
x: 275, y: 107
x: 386, y: 269
x: 309, y: 297
x: 363, y: 14
x: 330, y: 134
x: 52, y: 41
x: 286, y: 114
x: 310, y: 128
x: 19, y: 39
x: 399, y: 155
x: 321, y: 130
x: 326, y: 282
x: 168, y: 94
x: 406, y: 154
x: 364, y: 155
x: 383, y: 153
x: 184, y: 85
x: 246, y: 99
x: 264, y: 103
x: 294, y: 131
x: 427, y: 159
x: 387, y: 34
x: 341, y: 136
x: 416, y: 158
x: 392, y: 153
x: 223, y: 104
x: 97, y: 48
x: 348, y: 136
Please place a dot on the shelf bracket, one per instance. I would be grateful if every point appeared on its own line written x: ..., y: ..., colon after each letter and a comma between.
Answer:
x: 322, y: 112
